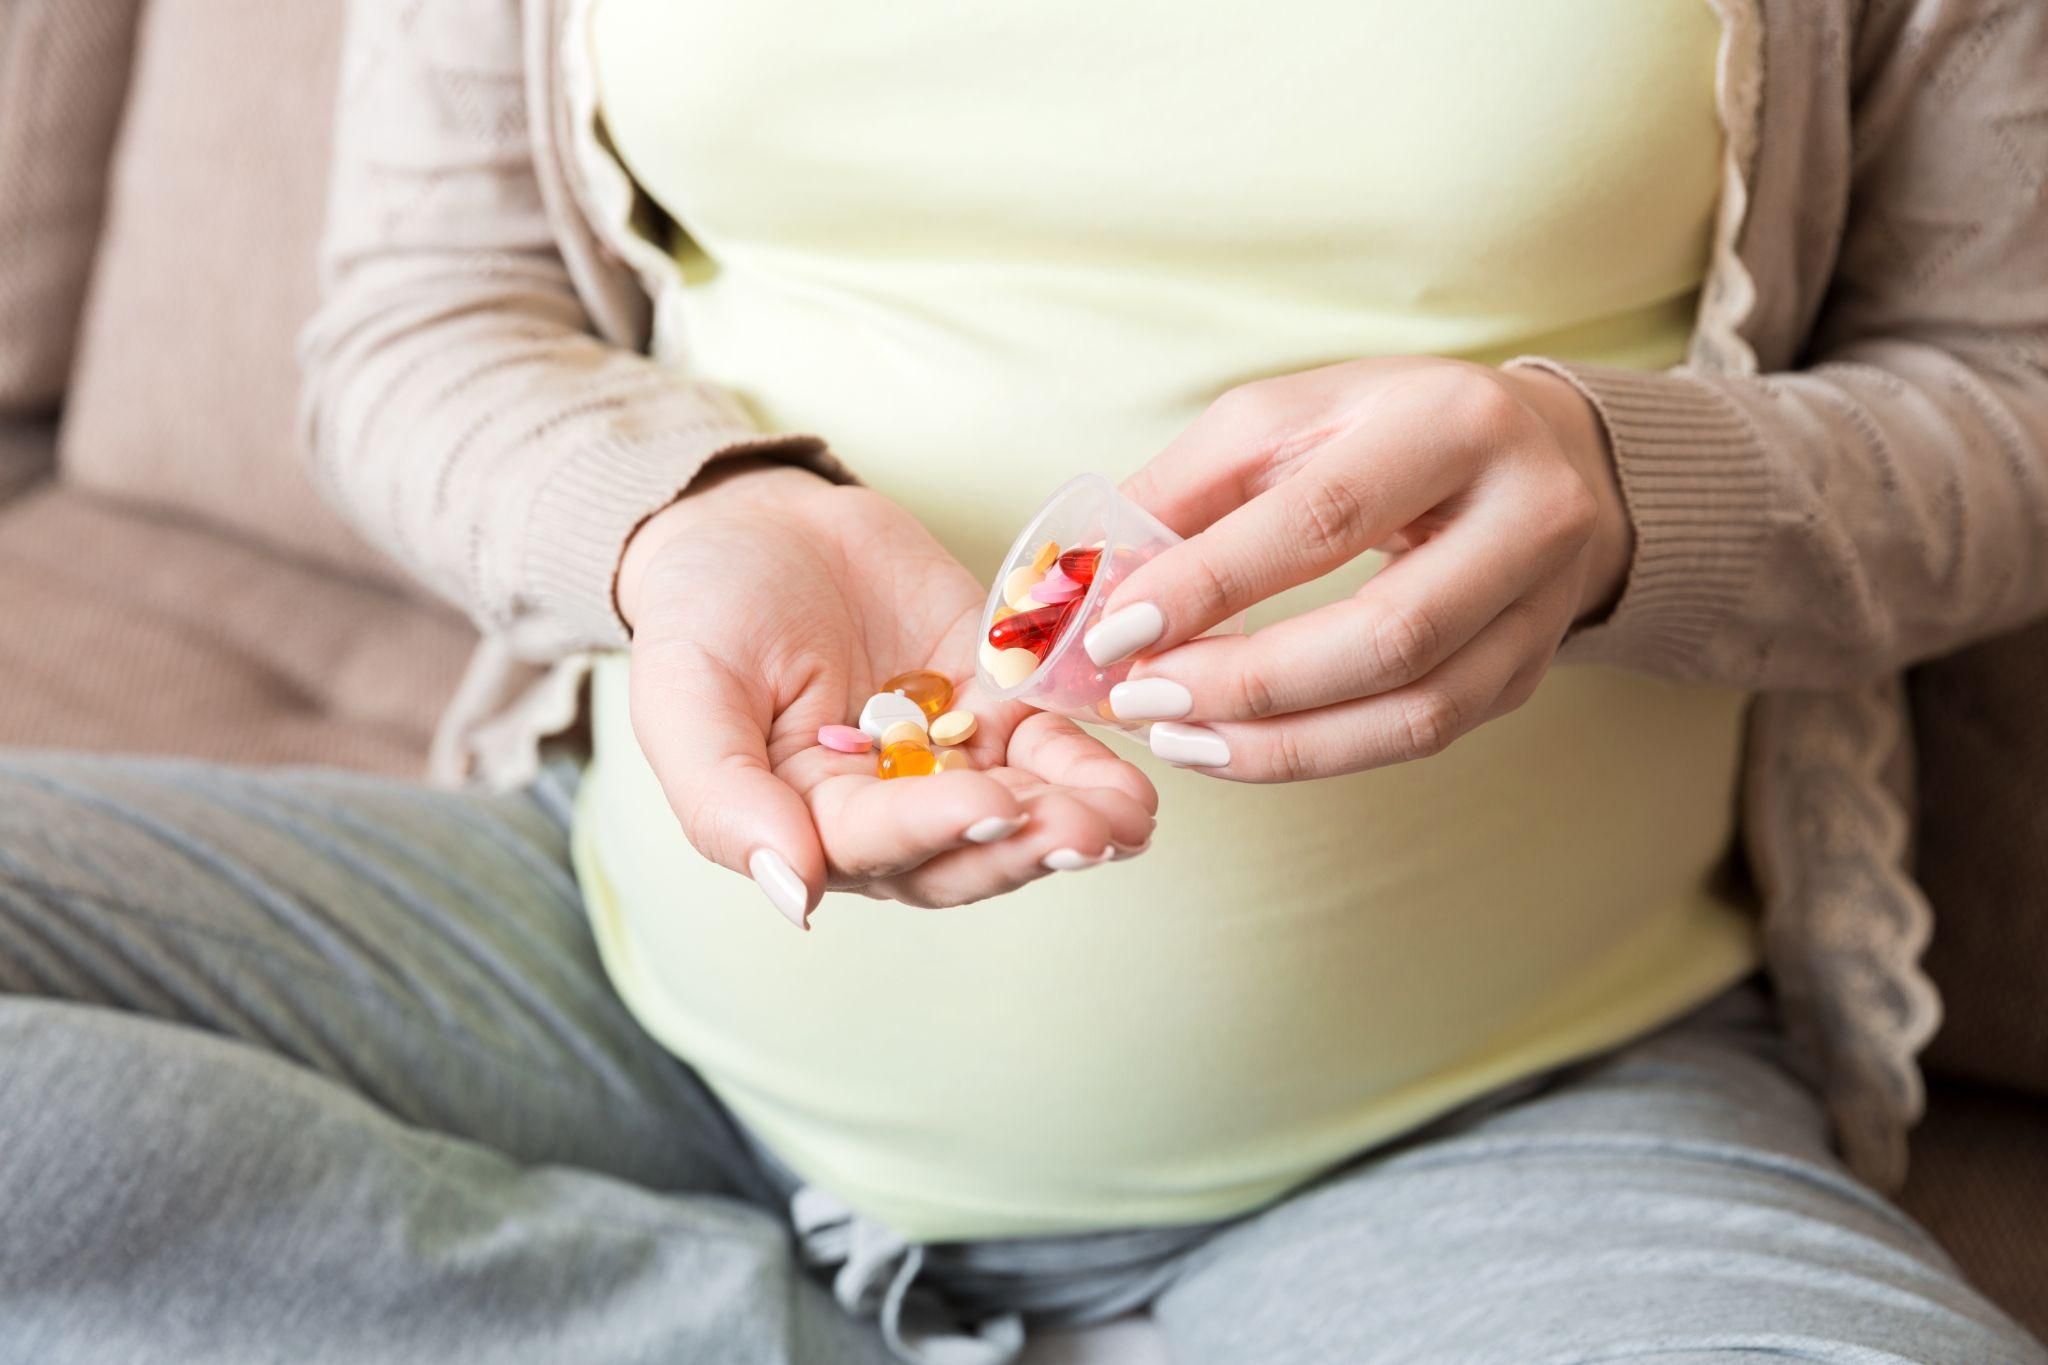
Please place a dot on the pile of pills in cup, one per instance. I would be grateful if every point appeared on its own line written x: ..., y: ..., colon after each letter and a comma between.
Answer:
x: 1039, y: 600
x: 908, y: 725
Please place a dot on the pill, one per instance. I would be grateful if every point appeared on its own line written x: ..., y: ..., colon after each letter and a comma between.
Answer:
x: 907, y: 758
x: 1018, y: 585
x: 884, y: 709
x: 955, y: 727
x: 1056, y: 588
x: 844, y: 738
x: 952, y: 760
x: 1079, y: 565
x: 1008, y: 667
x: 1048, y: 554
x: 933, y: 692
x: 904, y: 730
x: 1003, y: 609
x: 1034, y: 630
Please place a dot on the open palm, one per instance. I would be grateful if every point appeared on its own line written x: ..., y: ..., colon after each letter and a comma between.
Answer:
x: 776, y: 603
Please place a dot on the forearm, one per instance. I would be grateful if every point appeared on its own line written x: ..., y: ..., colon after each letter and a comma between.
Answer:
x: 502, y: 456
x: 1888, y: 500
x: 1817, y: 528
x: 457, y: 406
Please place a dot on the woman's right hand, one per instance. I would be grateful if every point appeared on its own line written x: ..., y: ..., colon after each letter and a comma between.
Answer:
x: 767, y: 603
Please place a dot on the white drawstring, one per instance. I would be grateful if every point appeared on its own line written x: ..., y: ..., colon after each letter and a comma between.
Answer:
x: 876, y: 1270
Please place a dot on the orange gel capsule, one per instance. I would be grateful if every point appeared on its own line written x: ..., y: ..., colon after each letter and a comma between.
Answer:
x: 1079, y: 565
x: 1034, y: 630
x: 933, y: 692
x: 905, y: 758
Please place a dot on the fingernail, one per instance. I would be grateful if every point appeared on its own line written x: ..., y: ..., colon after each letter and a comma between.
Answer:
x: 1189, y: 744
x: 996, y: 827
x: 1124, y: 851
x: 1150, y: 699
x: 1123, y: 633
x: 778, y: 881
x: 1072, y: 859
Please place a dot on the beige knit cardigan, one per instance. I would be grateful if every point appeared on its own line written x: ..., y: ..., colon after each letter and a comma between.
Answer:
x: 1850, y: 472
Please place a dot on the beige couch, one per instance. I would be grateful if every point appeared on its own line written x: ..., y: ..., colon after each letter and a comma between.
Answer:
x: 170, y: 583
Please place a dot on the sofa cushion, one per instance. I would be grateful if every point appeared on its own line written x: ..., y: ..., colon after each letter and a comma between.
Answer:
x: 185, y: 394
x: 63, y: 75
x: 129, y: 630
x: 1979, y: 1183
x: 1981, y: 727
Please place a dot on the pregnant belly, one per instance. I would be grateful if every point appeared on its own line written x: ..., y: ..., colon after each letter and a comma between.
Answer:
x: 1289, y: 975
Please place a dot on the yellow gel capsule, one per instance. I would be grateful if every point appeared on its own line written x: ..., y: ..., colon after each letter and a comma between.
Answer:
x: 904, y: 730
x: 955, y: 727
x: 950, y: 760
x: 905, y: 758
x: 933, y: 692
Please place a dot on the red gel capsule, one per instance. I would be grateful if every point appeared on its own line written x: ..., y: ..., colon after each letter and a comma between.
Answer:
x: 1034, y: 630
x: 1079, y: 565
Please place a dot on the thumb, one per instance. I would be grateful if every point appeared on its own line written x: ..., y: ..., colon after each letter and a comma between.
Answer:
x: 1214, y: 465
x: 704, y: 729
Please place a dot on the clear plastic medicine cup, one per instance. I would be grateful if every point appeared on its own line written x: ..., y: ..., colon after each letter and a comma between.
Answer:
x: 1085, y: 512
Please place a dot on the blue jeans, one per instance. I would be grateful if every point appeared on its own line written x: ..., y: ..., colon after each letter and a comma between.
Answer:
x: 312, y: 1067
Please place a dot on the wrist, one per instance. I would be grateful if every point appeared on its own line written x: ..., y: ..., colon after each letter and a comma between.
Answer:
x: 723, y: 485
x: 1582, y: 436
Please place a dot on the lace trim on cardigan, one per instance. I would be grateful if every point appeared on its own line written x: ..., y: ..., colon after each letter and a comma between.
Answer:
x: 1728, y: 294
x: 1844, y: 925
x: 1844, y: 922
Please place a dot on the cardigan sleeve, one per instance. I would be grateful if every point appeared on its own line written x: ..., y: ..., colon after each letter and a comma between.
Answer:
x: 456, y: 404
x: 1888, y: 501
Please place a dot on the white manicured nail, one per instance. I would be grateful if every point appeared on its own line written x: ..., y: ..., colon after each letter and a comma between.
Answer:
x: 1072, y: 859
x: 778, y: 881
x: 1150, y: 699
x: 1124, y: 633
x: 1189, y: 745
x: 996, y: 827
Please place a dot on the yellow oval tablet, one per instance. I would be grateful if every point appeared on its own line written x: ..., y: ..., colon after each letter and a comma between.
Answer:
x: 1017, y: 587
x: 955, y: 727
x: 903, y: 732
x: 1011, y: 666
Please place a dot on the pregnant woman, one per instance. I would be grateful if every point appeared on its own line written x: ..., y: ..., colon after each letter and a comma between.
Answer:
x: 1594, y: 404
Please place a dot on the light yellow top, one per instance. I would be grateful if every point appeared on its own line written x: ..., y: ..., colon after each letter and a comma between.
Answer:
x: 982, y: 247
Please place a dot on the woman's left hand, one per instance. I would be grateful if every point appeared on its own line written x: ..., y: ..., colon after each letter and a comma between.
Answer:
x: 1493, y: 492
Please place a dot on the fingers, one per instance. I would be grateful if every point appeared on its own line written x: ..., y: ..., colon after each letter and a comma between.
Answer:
x: 1408, y: 619
x: 1058, y: 751
x: 1339, y: 504
x: 1083, y: 806
x: 1218, y: 462
x: 704, y: 730
x: 1068, y: 831
x: 873, y: 830
x: 1496, y: 672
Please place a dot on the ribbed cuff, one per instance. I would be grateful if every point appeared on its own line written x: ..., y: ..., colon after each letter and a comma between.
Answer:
x: 1697, y: 488
x: 577, y: 528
